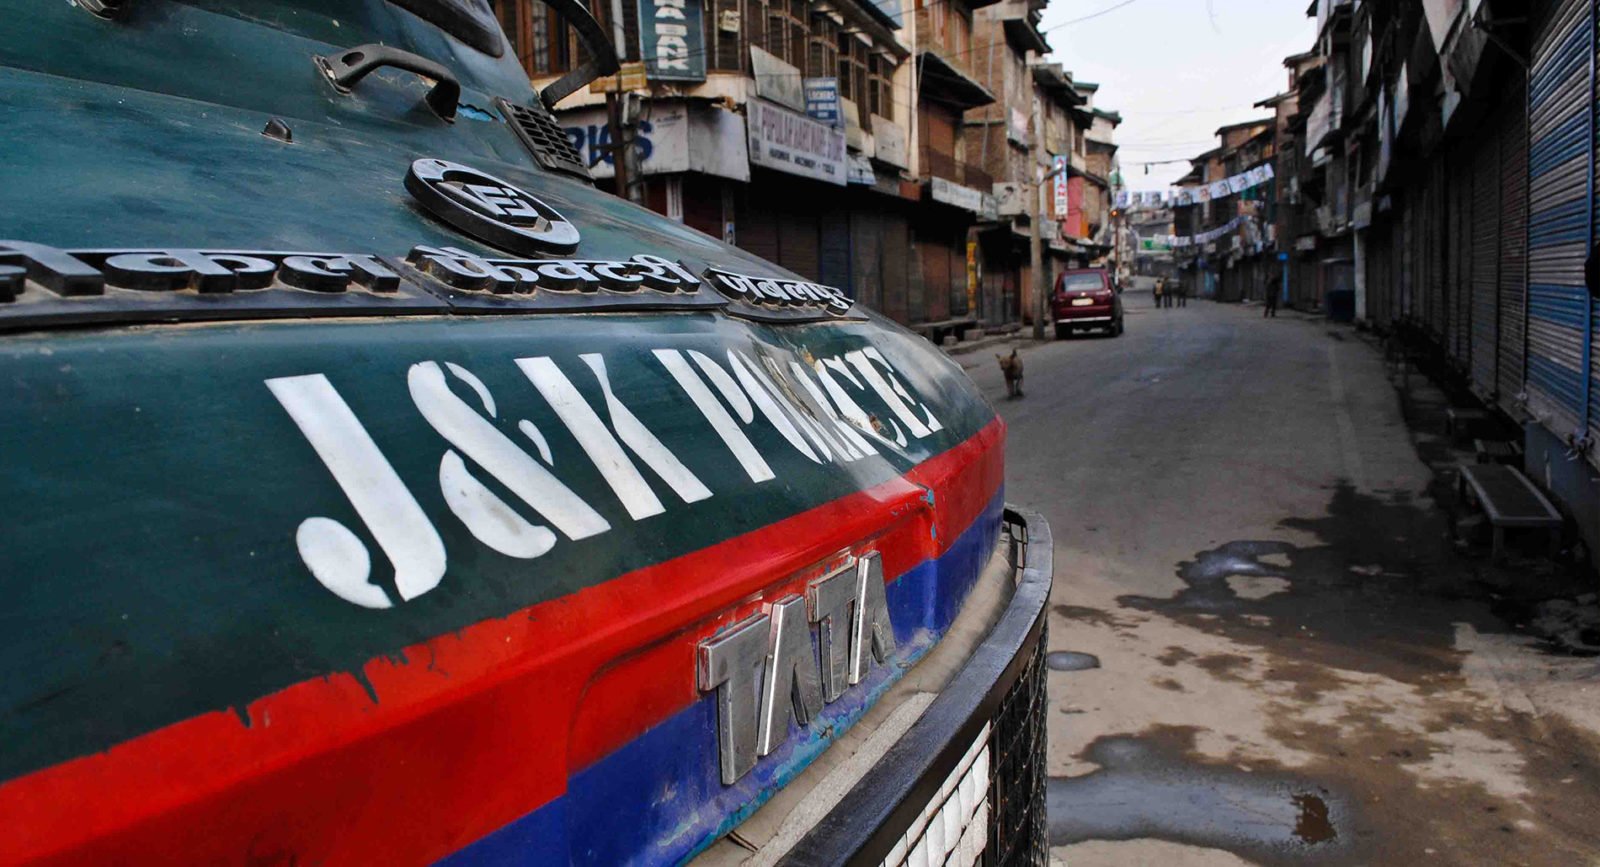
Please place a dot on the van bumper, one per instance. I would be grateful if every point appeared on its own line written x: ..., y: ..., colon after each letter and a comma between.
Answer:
x: 965, y: 784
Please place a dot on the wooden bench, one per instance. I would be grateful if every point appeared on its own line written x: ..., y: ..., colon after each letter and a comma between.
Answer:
x: 1510, y: 501
x: 936, y: 331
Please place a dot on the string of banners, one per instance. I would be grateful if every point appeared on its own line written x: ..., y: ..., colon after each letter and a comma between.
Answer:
x: 1177, y: 198
x: 1177, y: 241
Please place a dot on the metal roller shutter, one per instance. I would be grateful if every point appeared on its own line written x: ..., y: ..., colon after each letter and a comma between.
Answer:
x: 799, y: 244
x: 1436, y: 248
x: 1458, y: 285
x: 833, y: 258
x: 1405, y: 253
x: 1424, y: 298
x: 866, y: 260
x: 1389, y: 245
x: 1560, y: 220
x: 1379, y: 286
x: 1513, y: 250
x: 895, y: 266
x: 757, y: 231
x: 942, y: 265
x: 1484, y: 259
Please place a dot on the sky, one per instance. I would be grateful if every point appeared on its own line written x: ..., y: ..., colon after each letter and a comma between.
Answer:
x: 1177, y: 69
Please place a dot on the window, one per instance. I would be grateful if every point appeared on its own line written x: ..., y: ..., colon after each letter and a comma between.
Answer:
x: 880, y: 90
x: 853, y: 79
x: 538, y: 36
x: 779, y: 27
x: 727, y: 52
x: 823, y: 57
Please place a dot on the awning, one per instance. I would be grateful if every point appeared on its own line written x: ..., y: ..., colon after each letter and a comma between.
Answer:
x: 944, y: 83
x: 1022, y: 34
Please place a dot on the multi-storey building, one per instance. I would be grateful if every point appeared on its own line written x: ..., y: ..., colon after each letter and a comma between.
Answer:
x: 952, y: 182
x: 1035, y: 127
x: 1439, y: 163
x: 724, y: 134
x: 866, y: 144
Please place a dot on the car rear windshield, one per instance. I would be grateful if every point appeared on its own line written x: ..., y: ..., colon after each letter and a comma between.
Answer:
x: 1082, y: 283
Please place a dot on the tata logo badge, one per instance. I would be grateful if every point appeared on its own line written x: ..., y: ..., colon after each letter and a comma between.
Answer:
x: 489, y: 209
x: 765, y: 671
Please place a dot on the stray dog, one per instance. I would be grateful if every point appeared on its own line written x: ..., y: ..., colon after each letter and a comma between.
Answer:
x: 1011, y: 366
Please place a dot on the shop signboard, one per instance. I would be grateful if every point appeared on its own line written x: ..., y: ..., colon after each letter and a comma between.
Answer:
x: 891, y: 140
x: 671, y: 40
x: 788, y: 141
x: 822, y: 100
x: 777, y: 80
x: 675, y: 138
x: 950, y: 193
x: 860, y: 169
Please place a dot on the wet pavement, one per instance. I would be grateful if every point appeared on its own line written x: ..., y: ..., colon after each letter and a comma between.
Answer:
x: 1071, y: 660
x: 1273, y: 642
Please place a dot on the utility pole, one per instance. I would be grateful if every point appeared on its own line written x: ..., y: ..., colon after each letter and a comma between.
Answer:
x: 616, y: 110
x: 619, y: 141
x: 621, y: 115
x: 1041, y: 304
x: 1116, y: 243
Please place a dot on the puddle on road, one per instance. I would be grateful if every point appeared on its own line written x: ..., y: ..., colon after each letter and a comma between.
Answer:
x: 1146, y: 789
x: 1071, y: 660
x: 1380, y: 589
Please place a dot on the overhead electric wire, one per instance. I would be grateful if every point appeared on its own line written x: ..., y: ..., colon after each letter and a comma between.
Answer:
x: 1092, y: 15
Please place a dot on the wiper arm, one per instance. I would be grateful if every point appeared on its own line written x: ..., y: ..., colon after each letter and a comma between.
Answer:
x: 602, y: 54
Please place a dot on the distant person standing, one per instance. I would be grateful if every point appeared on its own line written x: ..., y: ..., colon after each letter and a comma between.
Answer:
x: 1161, y: 288
x: 1183, y: 294
x: 1271, y: 308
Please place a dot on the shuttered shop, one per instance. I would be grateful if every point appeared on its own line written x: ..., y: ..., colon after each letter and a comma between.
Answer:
x: 1483, y: 258
x: 1425, y: 228
x: 1379, y: 256
x: 1513, y: 276
x: 1458, y: 261
x: 941, y: 247
x: 1561, y: 172
x: 879, y: 253
x: 780, y: 221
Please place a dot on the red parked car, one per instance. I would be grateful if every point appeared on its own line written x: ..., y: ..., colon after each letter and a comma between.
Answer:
x: 1086, y: 298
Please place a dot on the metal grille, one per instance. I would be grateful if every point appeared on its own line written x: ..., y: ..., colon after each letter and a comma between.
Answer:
x: 543, y: 138
x: 952, y: 829
x: 1017, y: 830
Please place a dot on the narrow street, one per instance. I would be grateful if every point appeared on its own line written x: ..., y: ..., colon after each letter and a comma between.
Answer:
x: 1269, y: 649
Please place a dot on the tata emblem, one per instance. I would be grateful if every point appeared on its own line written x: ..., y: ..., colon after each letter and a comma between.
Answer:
x: 489, y: 209
x: 764, y: 669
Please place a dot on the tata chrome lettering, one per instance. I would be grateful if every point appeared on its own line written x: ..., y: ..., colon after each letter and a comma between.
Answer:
x: 764, y: 670
x: 817, y: 409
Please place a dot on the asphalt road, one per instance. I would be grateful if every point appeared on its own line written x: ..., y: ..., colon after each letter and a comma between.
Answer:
x: 1271, y: 651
